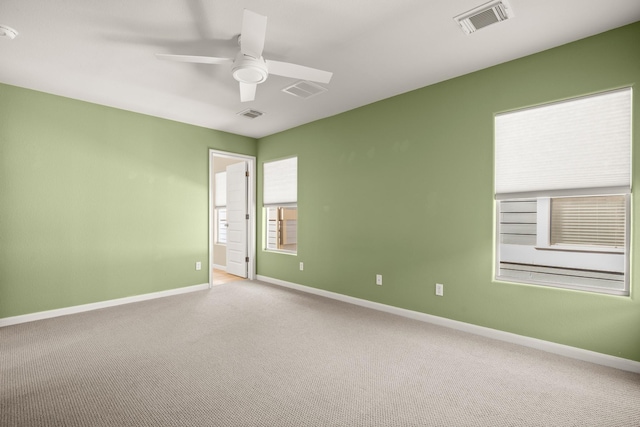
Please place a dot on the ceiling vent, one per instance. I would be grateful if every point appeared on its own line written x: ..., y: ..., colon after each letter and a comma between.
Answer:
x: 251, y: 114
x: 483, y: 16
x: 304, y: 89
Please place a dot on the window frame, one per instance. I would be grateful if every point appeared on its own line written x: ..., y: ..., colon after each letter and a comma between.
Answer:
x: 555, y: 150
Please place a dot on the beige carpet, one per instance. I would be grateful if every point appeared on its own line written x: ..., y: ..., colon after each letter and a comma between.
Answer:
x: 250, y: 354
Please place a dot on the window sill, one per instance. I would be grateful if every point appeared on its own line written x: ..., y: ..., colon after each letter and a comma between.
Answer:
x: 578, y: 248
x: 561, y: 286
x: 280, y: 251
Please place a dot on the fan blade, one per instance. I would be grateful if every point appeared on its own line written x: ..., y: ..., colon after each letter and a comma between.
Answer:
x: 247, y: 92
x: 295, y: 71
x: 194, y: 59
x: 254, y: 29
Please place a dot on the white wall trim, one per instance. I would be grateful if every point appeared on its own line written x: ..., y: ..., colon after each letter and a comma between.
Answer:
x: 7, y: 321
x: 550, y: 347
x: 220, y: 267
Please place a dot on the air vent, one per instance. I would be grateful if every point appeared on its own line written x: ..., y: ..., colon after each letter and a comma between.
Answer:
x: 251, y: 114
x: 304, y: 89
x: 483, y: 16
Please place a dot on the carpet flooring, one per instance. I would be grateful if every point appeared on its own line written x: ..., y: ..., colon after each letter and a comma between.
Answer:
x: 251, y: 354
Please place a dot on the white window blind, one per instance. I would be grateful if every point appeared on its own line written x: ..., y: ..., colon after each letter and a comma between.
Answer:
x: 222, y: 225
x: 589, y: 221
x: 281, y: 182
x: 221, y: 189
x: 575, y: 147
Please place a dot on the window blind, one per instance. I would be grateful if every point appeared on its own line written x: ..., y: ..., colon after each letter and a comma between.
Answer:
x: 222, y: 225
x: 590, y: 221
x: 221, y: 189
x: 281, y: 182
x: 576, y: 147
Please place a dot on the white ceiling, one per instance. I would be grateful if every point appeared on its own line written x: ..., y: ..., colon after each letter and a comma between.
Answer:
x: 104, y: 51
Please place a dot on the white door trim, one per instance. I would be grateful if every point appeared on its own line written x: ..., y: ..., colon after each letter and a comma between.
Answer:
x: 251, y: 206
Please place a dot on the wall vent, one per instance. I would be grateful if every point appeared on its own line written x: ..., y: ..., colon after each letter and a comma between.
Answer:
x: 485, y: 15
x: 304, y: 89
x: 251, y: 114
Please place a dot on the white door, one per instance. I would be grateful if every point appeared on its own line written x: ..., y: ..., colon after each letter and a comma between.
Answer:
x: 237, y: 219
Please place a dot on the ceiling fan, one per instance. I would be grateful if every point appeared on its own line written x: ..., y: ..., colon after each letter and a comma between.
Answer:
x: 249, y: 67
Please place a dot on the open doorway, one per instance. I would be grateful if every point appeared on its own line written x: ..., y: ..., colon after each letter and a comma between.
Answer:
x: 232, y: 225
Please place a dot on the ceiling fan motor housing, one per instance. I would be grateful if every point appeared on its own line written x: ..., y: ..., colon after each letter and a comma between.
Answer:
x: 247, y: 69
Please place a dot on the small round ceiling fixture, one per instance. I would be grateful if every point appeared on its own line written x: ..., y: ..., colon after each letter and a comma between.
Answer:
x: 8, y: 32
x: 247, y: 69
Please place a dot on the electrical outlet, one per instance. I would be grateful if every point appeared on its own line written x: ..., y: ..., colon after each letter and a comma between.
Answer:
x: 301, y: 266
x: 198, y: 265
x: 439, y: 289
x: 379, y: 279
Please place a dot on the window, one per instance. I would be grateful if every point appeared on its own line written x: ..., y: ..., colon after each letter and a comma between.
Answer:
x: 598, y: 222
x: 220, y: 209
x: 282, y: 225
x: 280, y: 198
x: 563, y: 189
x: 221, y: 226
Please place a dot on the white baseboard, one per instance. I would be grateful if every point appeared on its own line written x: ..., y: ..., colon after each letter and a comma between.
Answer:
x: 220, y: 267
x: 7, y: 321
x: 550, y: 347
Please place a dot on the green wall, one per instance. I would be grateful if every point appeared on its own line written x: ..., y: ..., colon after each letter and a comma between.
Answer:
x: 404, y: 188
x: 98, y: 203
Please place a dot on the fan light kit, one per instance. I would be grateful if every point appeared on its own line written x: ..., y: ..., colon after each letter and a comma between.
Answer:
x: 8, y: 32
x: 249, y: 68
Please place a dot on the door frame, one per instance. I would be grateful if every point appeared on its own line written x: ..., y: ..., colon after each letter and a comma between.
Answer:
x: 251, y: 208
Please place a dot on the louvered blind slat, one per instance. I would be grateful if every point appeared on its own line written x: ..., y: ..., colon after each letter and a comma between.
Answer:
x: 592, y: 221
